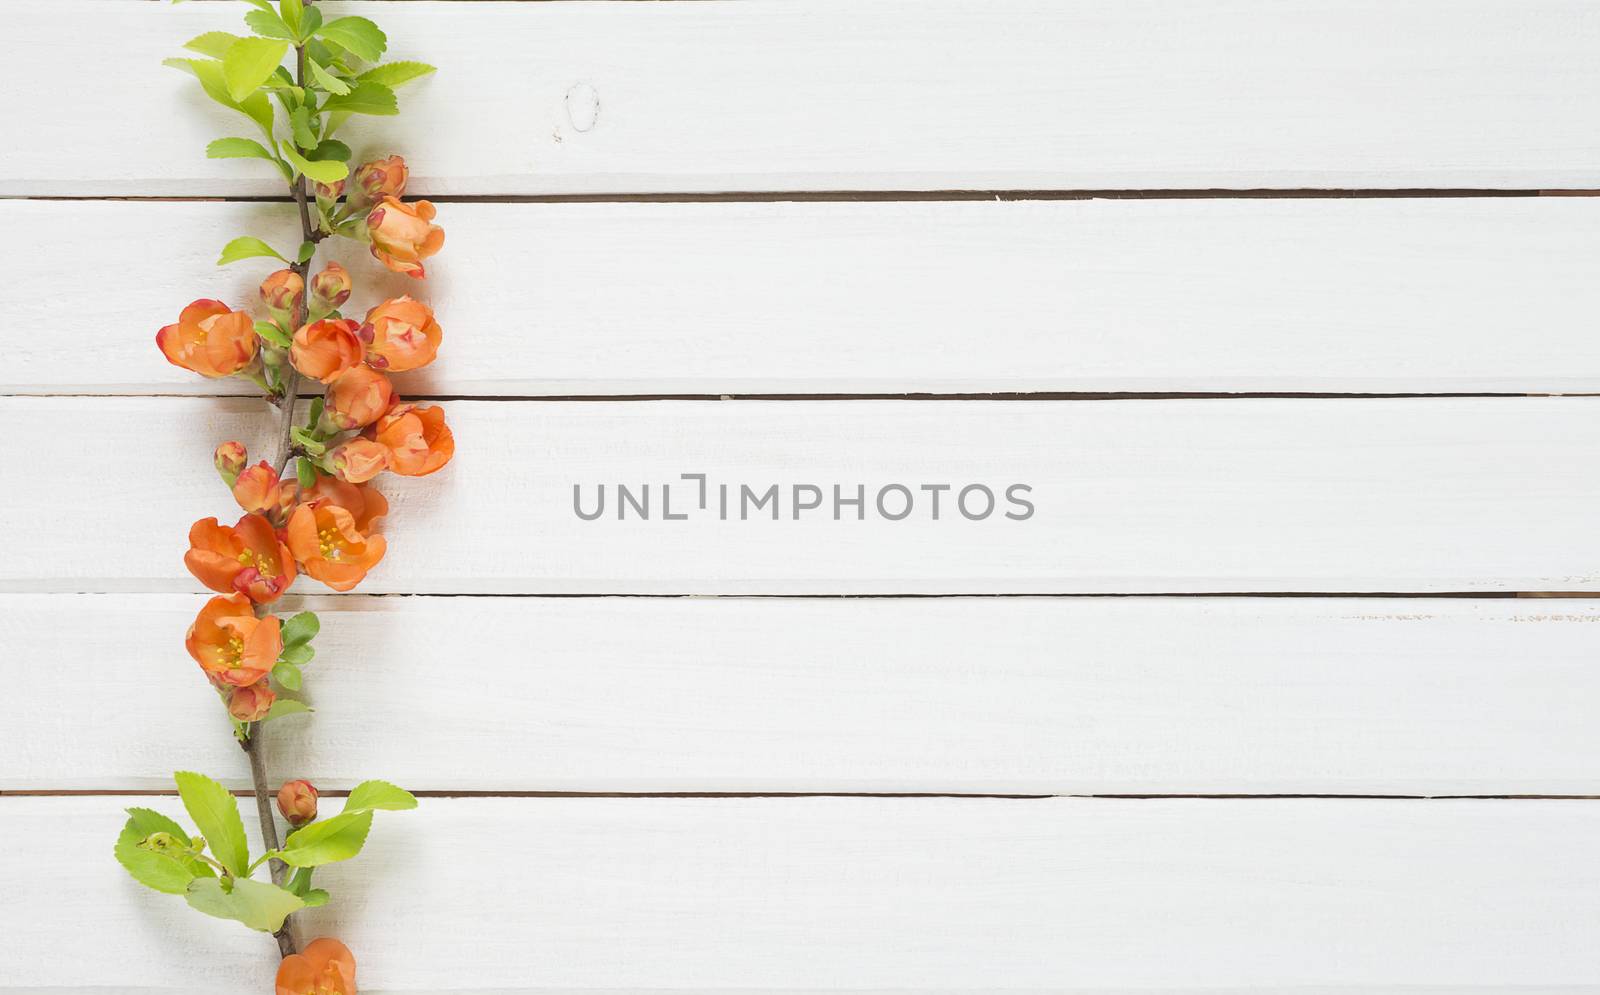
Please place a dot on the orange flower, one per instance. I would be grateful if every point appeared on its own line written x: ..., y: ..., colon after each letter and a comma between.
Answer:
x: 256, y: 489
x: 418, y: 440
x: 331, y: 288
x: 358, y: 398
x: 359, y: 460
x: 251, y: 702
x: 283, y: 290
x: 324, y: 349
x: 325, y: 967
x: 363, y: 502
x: 401, y: 335
x: 230, y: 644
x: 382, y: 178
x: 297, y: 801
x: 325, y: 539
x: 403, y: 235
x: 245, y: 557
x: 210, y: 339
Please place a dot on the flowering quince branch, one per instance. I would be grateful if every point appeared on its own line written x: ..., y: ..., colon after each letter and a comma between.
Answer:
x: 323, y: 519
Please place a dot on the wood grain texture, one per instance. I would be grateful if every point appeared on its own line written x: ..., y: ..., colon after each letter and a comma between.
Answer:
x: 1409, y: 495
x: 881, y: 95
x: 854, y: 893
x: 987, y: 695
x: 593, y: 299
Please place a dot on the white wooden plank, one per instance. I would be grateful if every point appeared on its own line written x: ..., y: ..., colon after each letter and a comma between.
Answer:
x: 881, y: 95
x: 996, y: 695
x: 556, y: 299
x: 1410, y: 495
x: 853, y: 893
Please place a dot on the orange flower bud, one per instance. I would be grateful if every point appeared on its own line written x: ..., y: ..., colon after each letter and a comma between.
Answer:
x: 328, y: 191
x: 324, y: 349
x: 331, y: 288
x: 418, y: 440
x: 324, y: 967
x: 324, y: 537
x: 256, y: 490
x: 358, y: 398
x: 210, y: 339
x: 297, y: 801
x: 283, y: 290
x: 231, y: 645
x: 403, y: 235
x: 382, y: 178
x: 246, y: 558
x: 359, y: 460
x: 400, y: 335
x: 229, y: 460
x: 251, y: 703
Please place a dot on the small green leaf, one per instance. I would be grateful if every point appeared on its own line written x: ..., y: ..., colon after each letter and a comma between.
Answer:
x: 328, y: 841
x: 359, y: 36
x: 288, y: 675
x: 272, y: 333
x: 305, y: 440
x: 369, y: 795
x: 325, y: 79
x: 305, y: 473
x: 249, y: 62
x: 210, y: 74
x: 307, y: 250
x: 158, y: 871
x: 310, y: 21
x: 393, y: 74
x: 302, y: 628
x: 255, y: 903
x: 267, y: 24
x: 212, y: 43
x: 285, y: 706
x: 323, y: 171
x: 300, y: 124
x: 238, y: 148
x: 312, y: 416
x: 316, y: 896
x: 330, y: 149
x: 299, y: 654
x: 246, y: 247
x: 291, y: 11
x: 217, y: 816
x: 365, y: 97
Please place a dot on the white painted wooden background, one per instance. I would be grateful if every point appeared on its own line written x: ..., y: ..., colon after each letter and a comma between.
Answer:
x: 872, y: 316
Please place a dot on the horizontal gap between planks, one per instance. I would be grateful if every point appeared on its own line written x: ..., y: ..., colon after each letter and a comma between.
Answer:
x: 885, y: 795
x: 1173, y: 395
x: 853, y: 196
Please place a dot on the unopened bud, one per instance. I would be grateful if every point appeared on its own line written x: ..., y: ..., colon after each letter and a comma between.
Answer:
x: 330, y: 288
x: 230, y: 459
x: 283, y: 291
x: 251, y: 703
x: 328, y: 191
x: 382, y: 178
x: 297, y: 801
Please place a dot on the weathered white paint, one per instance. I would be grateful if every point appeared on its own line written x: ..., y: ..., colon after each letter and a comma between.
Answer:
x: 854, y: 95
x: 529, y: 895
x: 1016, y: 695
x: 558, y: 299
x: 1454, y: 494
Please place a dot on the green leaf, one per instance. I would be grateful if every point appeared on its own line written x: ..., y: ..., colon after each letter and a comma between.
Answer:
x: 299, y: 655
x: 212, y: 43
x: 369, y: 795
x: 246, y: 247
x: 249, y: 62
x: 357, y: 35
x: 255, y: 903
x: 302, y: 628
x: 155, y: 870
x: 329, y: 149
x: 392, y: 74
x: 328, y: 841
x: 272, y: 333
x: 312, y: 416
x: 217, y: 815
x: 264, y: 22
x: 307, y: 441
x: 325, y: 79
x: 210, y: 74
x: 316, y: 896
x: 291, y: 12
x: 285, y: 706
x: 305, y: 473
x: 288, y: 675
x: 310, y: 21
x: 366, y: 97
x: 238, y: 148
x: 307, y: 250
x: 322, y: 170
x: 300, y: 124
